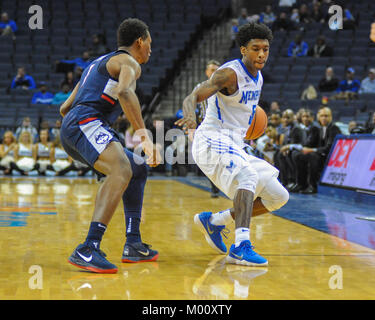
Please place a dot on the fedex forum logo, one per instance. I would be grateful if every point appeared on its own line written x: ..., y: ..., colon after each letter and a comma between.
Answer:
x: 341, y: 153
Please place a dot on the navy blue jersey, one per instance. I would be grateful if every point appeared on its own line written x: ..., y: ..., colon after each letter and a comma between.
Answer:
x: 96, y: 96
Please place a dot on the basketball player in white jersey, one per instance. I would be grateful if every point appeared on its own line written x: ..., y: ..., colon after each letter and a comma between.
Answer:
x: 233, y: 93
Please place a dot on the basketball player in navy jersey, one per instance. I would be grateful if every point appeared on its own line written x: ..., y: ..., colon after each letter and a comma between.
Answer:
x: 106, y: 88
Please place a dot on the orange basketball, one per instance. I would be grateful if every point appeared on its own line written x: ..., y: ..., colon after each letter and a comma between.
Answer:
x: 258, y: 124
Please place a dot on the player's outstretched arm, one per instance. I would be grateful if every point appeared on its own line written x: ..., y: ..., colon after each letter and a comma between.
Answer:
x: 221, y: 79
x: 65, y: 107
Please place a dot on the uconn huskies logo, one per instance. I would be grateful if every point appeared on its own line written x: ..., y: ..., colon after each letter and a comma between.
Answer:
x: 102, y: 138
x: 249, y: 96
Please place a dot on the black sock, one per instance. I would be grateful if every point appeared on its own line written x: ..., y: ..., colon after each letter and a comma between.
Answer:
x: 95, y: 234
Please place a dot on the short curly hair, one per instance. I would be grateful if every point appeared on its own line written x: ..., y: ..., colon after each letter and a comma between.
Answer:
x: 251, y: 31
x: 130, y: 30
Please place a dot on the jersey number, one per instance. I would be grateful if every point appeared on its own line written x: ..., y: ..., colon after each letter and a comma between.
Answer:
x: 252, y: 113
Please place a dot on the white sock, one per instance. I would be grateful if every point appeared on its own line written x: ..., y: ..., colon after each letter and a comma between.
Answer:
x: 242, y: 234
x: 221, y: 218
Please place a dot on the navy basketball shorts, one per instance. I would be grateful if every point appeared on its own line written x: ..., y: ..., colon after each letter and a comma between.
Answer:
x: 85, y: 139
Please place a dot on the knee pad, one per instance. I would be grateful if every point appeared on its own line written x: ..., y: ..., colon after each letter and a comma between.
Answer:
x: 247, y: 179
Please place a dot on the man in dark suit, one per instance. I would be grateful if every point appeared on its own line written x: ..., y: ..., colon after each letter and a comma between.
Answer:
x: 316, y: 156
x: 292, y: 133
x: 300, y: 160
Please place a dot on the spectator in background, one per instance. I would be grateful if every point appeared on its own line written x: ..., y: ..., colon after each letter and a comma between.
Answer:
x: 304, y: 14
x: 56, y: 130
x: 98, y: 46
x: 42, y: 152
x: 287, y: 3
x: 298, y: 47
x: 267, y: 17
x: 311, y: 140
x: 7, y: 151
x: 330, y: 82
x: 42, y: 96
x: 27, y: 126
x: 295, y: 16
x: 243, y: 18
x: 7, y: 27
x: 22, y: 80
x: 349, y: 87
x: 282, y: 23
x: 233, y: 32
x: 317, y: 14
x: 368, y: 83
x: 275, y: 121
x: 61, y: 96
x: 292, y: 134
x: 317, y: 156
x: 81, y: 62
x: 320, y: 49
x: 275, y: 107
x: 24, y: 161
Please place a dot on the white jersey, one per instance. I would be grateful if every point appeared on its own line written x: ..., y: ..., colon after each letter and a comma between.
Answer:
x: 234, y: 112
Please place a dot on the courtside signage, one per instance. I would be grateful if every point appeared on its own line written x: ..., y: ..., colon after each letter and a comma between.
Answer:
x: 351, y: 163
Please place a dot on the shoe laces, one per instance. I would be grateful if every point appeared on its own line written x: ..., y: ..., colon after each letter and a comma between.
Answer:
x: 247, y: 246
x: 225, y: 233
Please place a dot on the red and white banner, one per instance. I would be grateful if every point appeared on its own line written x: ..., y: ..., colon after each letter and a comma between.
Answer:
x: 351, y: 164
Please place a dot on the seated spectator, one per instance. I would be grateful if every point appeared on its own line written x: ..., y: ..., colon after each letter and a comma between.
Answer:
x: 298, y: 47
x: 268, y: 144
x: 349, y: 87
x: 243, y: 18
x: 287, y: 3
x: 311, y: 140
x: 81, y: 62
x: 368, y: 83
x: 304, y: 14
x: 320, y: 49
x: 61, y: 96
x: 7, y: 27
x: 316, y: 157
x: 26, y: 126
x: 22, y: 80
x: 69, y: 80
x: 267, y: 17
x: 309, y: 93
x: 295, y: 16
x: 233, y: 32
x: 98, y: 46
x: 275, y: 121
x: 292, y: 134
x: 317, y: 14
x: 7, y: 151
x: 60, y: 161
x: 24, y: 161
x: 42, y: 152
x: 42, y: 96
x: 275, y: 106
x: 282, y: 23
x: 56, y: 130
x: 330, y: 82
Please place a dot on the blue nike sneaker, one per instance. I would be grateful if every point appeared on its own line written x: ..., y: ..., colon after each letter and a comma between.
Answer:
x: 245, y: 255
x: 138, y: 252
x: 88, y: 258
x: 211, y: 232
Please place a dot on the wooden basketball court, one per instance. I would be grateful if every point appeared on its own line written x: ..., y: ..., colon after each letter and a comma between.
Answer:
x: 43, y: 219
